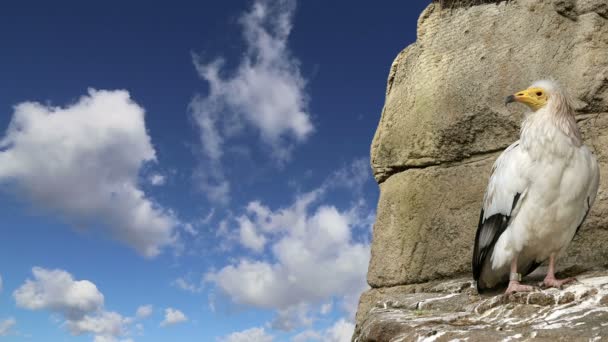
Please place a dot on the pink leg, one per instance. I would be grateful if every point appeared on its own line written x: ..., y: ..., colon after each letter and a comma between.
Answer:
x: 550, y: 280
x: 515, y: 285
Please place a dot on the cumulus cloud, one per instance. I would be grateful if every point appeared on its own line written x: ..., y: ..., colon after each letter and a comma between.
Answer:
x: 6, y: 326
x: 57, y: 291
x: 249, y: 237
x: 309, y: 258
x: 78, y: 301
x: 314, y: 258
x: 260, y: 219
x: 341, y: 331
x: 292, y: 317
x: 105, y: 325
x: 266, y: 93
x: 144, y: 311
x: 253, y: 334
x: 172, y: 317
x: 83, y: 161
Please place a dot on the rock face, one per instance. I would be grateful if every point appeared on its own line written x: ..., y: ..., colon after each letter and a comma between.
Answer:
x: 452, y: 311
x: 444, y: 123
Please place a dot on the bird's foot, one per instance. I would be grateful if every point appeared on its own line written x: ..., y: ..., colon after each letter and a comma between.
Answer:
x: 557, y: 283
x: 515, y: 286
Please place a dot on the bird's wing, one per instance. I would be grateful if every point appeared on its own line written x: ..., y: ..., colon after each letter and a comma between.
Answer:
x: 506, y: 187
x: 593, y: 184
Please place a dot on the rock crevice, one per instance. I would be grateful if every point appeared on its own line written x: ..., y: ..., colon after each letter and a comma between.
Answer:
x: 475, y: 157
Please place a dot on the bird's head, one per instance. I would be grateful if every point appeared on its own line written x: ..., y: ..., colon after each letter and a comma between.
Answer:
x: 549, y: 97
x: 536, y: 96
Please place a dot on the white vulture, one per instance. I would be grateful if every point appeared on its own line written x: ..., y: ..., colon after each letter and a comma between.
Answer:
x: 539, y: 193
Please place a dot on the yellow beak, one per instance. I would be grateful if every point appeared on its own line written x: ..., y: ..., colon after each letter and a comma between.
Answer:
x: 528, y: 98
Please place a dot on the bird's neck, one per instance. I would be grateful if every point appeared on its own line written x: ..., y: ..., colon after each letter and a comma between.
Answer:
x: 548, y: 123
x: 547, y: 134
x: 566, y: 122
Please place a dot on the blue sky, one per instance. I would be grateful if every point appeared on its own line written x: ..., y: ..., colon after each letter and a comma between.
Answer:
x: 198, y: 172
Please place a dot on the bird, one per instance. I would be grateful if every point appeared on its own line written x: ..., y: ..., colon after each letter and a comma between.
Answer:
x: 540, y: 191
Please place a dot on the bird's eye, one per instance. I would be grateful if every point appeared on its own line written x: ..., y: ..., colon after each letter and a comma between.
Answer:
x: 539, y: 93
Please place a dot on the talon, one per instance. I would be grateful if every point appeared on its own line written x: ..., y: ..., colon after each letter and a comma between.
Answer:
x: 515, y: 286
x: 557, y: 283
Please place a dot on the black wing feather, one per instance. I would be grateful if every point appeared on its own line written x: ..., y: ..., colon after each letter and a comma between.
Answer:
x: 494, y: 225
x: 584, y: 217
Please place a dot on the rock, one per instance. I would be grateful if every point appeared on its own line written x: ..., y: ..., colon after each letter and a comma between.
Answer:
x: 444, y: 122
x: 445, y: 93
x: 542, y: 315
x: 418, y: 233
x: 566, y: 8
x: 598, y: 6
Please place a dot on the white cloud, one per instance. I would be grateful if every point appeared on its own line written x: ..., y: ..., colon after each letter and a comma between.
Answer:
x: 6, y: 326
x: 352, y: 176
x: 189, y: 228
x: 314, y: 258
x: 326, y: 308
x: 57, y: 291
x: 157, y: 179
x: 104, y: 325
x: 253, y: 334
x: 249, y: 237
x: 213, y: 182
x: 100, y: 338
x: 341, y: 331
x: 260, y: 219
x: 173, y: 316
x: 292, y: 317
x: 315, y: 255
x: 83, y: 161
x: 265, y: 93
x: 307, y: 336
x: 267, y: 221
x: 78, y: 301
x: 350, y: 302
x: 187, y: 285
x: 144, y: 311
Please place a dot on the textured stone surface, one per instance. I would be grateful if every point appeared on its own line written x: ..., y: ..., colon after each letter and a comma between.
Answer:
x: 424, y: 223
x: 426, y: 218
x: 444, y: 122
x: 453, y: 310
x: 445, y: 93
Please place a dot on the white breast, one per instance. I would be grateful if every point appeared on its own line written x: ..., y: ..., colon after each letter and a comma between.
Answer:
x: 560, y: 174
